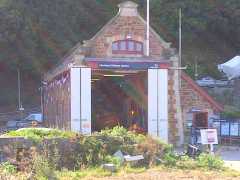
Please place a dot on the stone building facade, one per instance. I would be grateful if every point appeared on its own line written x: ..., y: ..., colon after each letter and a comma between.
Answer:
x: 122, y: 43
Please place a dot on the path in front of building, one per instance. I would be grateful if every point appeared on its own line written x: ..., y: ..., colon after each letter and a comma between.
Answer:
x: 231, y: 157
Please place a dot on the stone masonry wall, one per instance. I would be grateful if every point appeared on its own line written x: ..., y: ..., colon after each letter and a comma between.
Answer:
x: 191, y: 99
x: 118, y: 30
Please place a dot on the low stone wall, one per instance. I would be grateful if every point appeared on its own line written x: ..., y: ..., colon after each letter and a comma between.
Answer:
x: 16, y: 149
x: 9, y: 147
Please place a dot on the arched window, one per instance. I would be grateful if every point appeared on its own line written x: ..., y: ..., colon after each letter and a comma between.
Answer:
x: 127, y: 47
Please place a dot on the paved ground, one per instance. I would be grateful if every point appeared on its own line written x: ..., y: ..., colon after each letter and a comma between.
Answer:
x: 231, y: 157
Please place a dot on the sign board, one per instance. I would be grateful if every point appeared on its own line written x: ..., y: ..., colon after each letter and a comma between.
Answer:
x: 209, y: 136
x: 126, y: 65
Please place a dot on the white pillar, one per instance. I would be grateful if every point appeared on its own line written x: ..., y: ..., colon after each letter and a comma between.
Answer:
x: 158, y: 103
x: 81, y: 100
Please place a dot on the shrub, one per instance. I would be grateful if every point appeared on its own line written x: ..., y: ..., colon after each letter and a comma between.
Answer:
x: 76, y: 152
x: 8, y: 168
x: 92, y: 151
x: 121, y: 132
x: 114, y: 160
x: 42, y: 169
x: 38, y: 134
x: 209, y: 161
x: 170, y: 159
x: 186, y: 162
x: 152, y: 149
x: 119, y: 138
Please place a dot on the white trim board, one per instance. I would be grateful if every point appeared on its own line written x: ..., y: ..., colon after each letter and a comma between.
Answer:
x: 81, y: 100
x: 158, y: 103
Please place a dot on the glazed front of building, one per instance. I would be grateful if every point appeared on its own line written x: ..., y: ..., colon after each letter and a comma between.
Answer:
x: 108, y: 81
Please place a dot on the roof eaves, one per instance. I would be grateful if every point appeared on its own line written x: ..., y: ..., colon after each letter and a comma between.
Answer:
x: 202, y: 92
x: 63, y: 63
x: 101, y: 30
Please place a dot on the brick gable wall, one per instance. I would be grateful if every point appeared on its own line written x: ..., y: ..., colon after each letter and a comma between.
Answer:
x: 190, y: 98
x: 118, y: 30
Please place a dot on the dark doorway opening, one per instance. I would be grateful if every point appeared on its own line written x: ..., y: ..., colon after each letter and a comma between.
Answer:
x: 200, y: 120
x: 119, y: 98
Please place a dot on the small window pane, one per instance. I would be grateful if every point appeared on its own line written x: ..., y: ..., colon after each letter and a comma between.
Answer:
x: 225, y: 129
x: 139, y: 47
x: 115, y: 46
x: 131, y: 46
x: 234, y: 129
x: 123, y: 46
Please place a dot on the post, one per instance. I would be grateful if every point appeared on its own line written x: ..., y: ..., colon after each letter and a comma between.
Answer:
x: 20, y: 108
x: 180, y: 44
x: 196, y: 70
x: 148, y: 27
x: 211, y: 149
x: 41, y: 89
x: 19, y: 90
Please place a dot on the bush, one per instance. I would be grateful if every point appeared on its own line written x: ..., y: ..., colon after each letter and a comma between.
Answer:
x: 186, y: 162
x: 152, y: 149
x: 87, y: 151
x: 42, y: 169
x: 38, y: 134
x: 170, y: 159
x: 209, y: 161
x: 76, y: 152
x: 92, y: 151
x: 121, y: 132
x: 119, y: 138
x: 8, y: 168
x: 113, y: 160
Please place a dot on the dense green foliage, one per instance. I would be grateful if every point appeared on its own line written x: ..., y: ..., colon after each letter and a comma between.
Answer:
x: 8, y: 168
x: 34, y: 35
x: 85, y: 155
x: 230, y: 112
x: 37, y: 135
x: 209, y: 161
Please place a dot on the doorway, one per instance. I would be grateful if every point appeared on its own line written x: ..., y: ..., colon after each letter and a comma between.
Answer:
x: 200, y: 120
x: 119, y: 98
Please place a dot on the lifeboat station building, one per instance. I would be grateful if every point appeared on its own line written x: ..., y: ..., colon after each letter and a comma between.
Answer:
x: 109, y: 80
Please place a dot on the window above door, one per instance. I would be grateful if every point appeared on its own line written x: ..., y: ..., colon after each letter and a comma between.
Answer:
x: 127, y: 47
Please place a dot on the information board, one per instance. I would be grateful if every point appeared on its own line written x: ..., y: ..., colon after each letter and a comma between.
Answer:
x: 209, y: 136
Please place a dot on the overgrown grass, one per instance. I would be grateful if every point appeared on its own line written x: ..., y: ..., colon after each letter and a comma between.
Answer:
x: 8, y: 168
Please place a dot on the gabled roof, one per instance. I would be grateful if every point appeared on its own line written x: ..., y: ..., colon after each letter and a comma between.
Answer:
x: 128, y: 4
x: 202, y: 92
x: 69, y: 57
